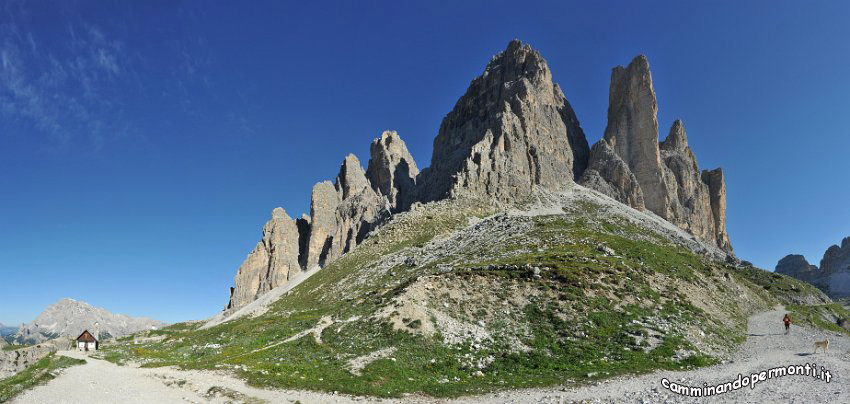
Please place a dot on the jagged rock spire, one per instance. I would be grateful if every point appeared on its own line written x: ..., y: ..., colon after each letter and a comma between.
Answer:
x: 392, y: 171
x: 272, y: 262
x: 632, y: 130
x: 351, y: 178
x: 609, y: 174
x: 512, y: 131
x: 668, y: 174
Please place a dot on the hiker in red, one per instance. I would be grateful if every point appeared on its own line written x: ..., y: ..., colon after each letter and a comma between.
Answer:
x: 787, y: 321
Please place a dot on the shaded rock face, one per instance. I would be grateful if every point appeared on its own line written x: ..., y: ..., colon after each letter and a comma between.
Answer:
x: 359, y: 210
x: 323, y: 204
x: 609, y: 174
x: 69, y: 318
x: 272, y: 262
x: 833, y: 275
x: 392, y: 171
x: 632, y: 131
x: 795, y: 265
x: 666, y: 174
x: 341, y: 215
x: 717, y: 194
x: 837, y: 258
x: 690, y: 203
x: 511, y: 131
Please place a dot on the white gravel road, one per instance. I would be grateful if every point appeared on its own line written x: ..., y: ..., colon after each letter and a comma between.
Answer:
x: 766, y: 347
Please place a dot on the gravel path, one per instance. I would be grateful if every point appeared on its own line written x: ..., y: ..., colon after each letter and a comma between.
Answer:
x: 766, y: 347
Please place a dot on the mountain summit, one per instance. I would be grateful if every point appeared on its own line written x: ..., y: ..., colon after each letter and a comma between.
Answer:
x: 512, y: 133
x: 833, y: 275
x: 630, y: 165
x: 69, y: 318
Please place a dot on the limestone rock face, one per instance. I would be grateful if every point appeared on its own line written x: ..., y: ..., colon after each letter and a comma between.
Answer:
x: 351, y: 179
x: 690, y: 204
x: 323, y: 225
x: 795, y: 265
x: 836, y: 258
x: 667, y: 174
x: 609, y: 174
x: 632, y: 131
x: 833, y: 276
x: 392, y: 171
x: 717, y: 194
x: 511, y: 131
x: 272, y: 262
x: 835, y: 266
x: 359, y: 210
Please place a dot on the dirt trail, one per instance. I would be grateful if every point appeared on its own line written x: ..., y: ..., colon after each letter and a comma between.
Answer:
x: 766, y: 347
x: 100, y: 381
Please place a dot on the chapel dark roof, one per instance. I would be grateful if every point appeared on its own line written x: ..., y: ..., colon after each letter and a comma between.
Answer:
x: 86, y: 337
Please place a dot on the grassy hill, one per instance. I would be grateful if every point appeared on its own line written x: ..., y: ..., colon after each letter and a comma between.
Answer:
x: 462, y: 297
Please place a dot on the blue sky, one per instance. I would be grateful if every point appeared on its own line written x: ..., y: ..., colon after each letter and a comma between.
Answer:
x: 142, y: 146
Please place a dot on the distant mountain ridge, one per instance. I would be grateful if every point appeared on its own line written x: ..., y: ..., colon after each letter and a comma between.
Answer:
x: 833, y: 275
x: 6, y: 332
x: 69, y: 318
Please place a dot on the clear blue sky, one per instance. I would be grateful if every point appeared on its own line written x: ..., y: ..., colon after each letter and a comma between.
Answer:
x: 142, y: 146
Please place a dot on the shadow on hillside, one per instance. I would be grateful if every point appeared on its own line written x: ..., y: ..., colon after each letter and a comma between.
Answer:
x: 805, y: 354
x: 763, y: 335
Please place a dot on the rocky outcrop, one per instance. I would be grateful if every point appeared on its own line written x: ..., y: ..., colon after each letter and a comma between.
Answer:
x: 272, y: 262
x: 392, y: 171
x: 359, y: 210
x: 341, y: 215
x: 609, y: 174
x: 669, y: 182
x: 717, y: 196
x: 323, y: 204
x: 69, y: 318
x: 833, y: 275
x: 14, y: 361
x: 836, y: 258
x: 632, y: 131
x: 795, y: 265
x: 511, y: 132
x: 690, y: 203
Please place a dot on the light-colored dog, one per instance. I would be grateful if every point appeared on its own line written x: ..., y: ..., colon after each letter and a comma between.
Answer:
x: 822, y: 344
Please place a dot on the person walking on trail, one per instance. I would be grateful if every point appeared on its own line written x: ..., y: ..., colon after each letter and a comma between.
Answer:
x: 787, y: 321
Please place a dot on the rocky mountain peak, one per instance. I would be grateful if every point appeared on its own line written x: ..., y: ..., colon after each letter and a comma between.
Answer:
x: 837, y: 258
x: 833, y: 275
x: 392, y: 171
x: 69, y: 318
x: 511, y: 132
x: 517, y: 62
x: 279, y: 213
x: 677, y: 139
x: 667, y: 173
x: 351, y: 178
x: 632, y: 130
x: 797, y: 266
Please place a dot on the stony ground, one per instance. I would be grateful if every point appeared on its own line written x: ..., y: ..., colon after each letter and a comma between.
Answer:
x: 766, y: 347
